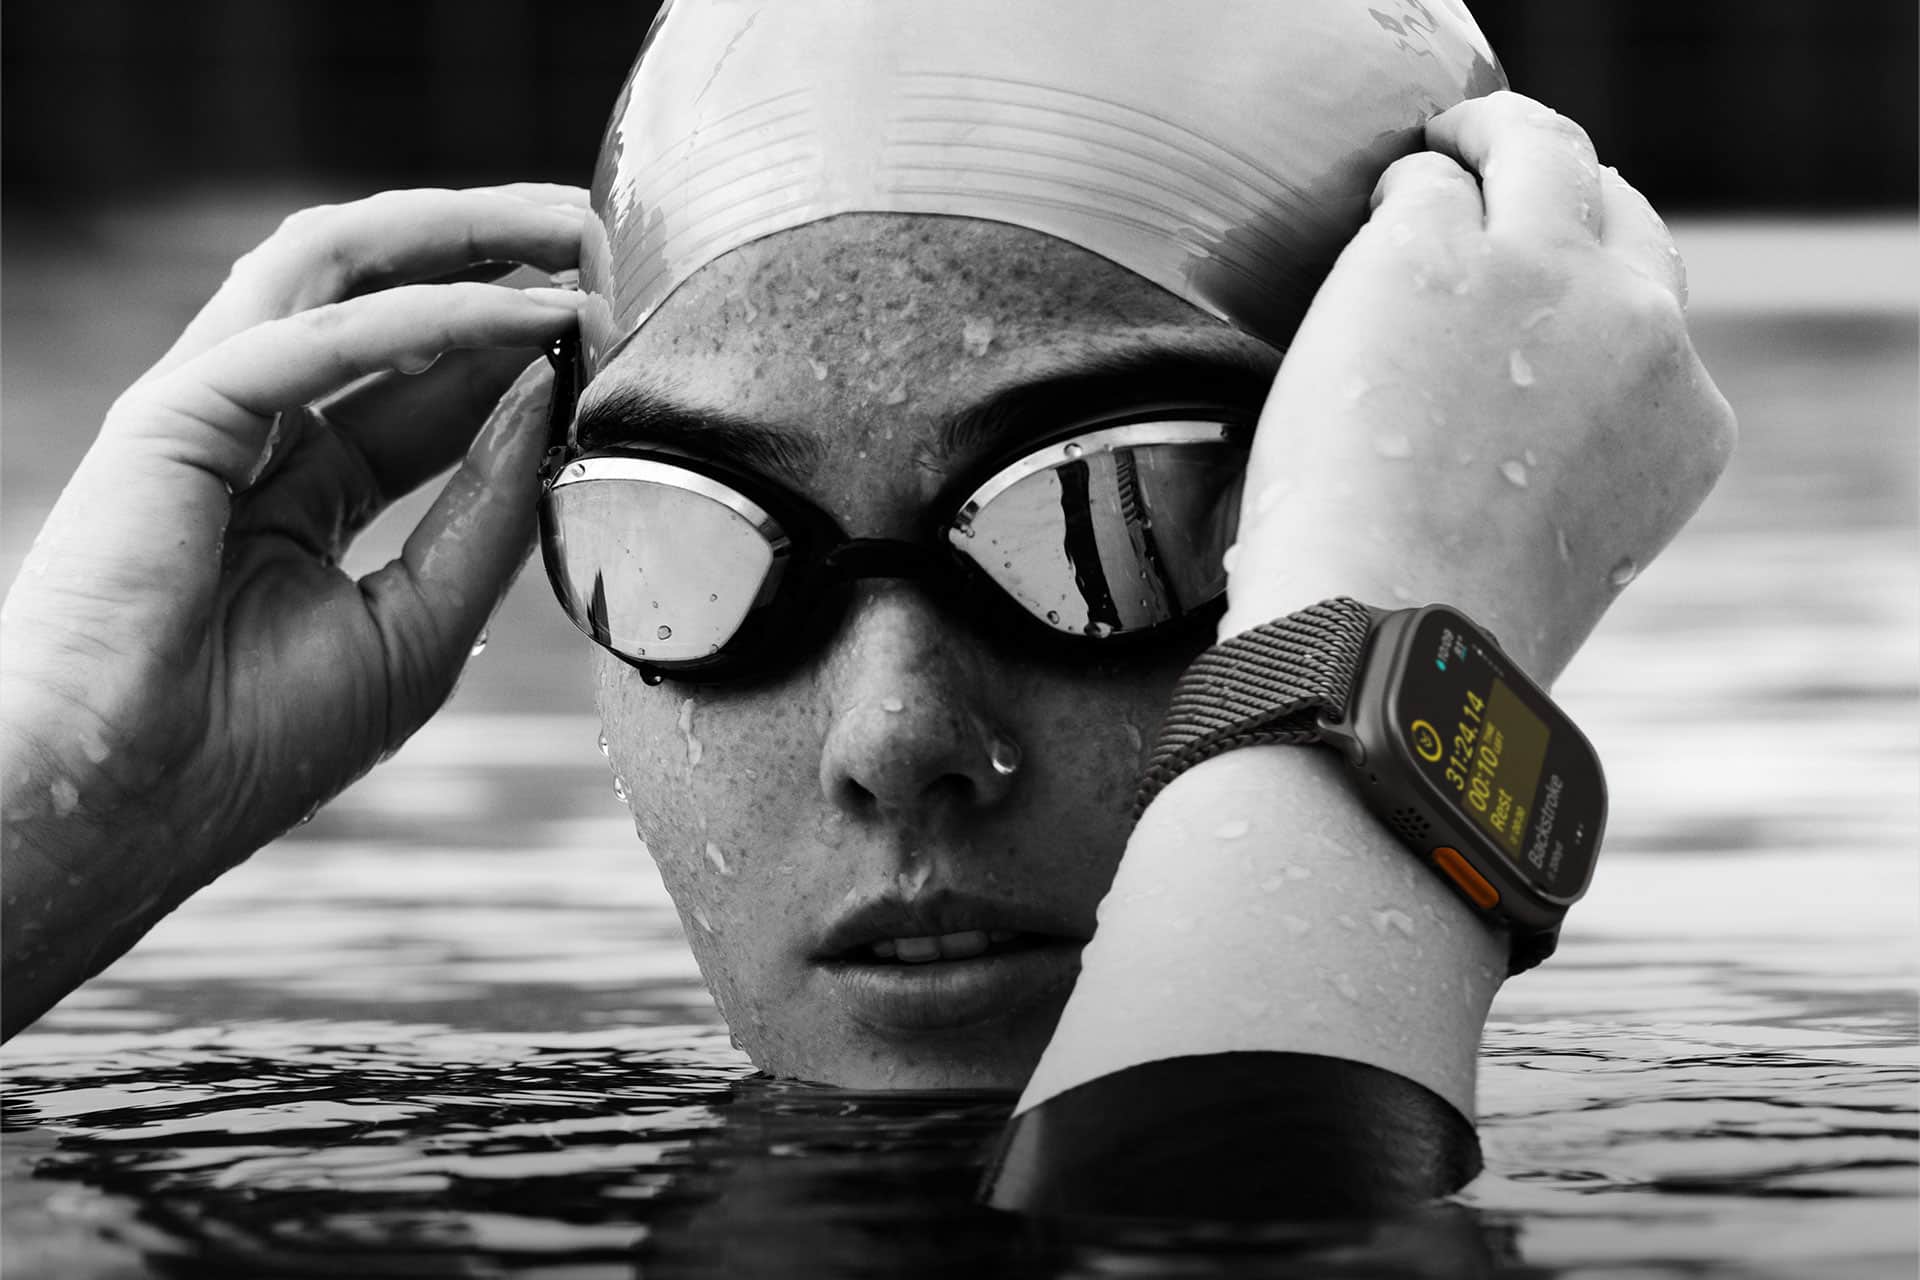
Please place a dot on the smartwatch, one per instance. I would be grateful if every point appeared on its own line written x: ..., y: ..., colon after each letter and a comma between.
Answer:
x: 1466, y: 760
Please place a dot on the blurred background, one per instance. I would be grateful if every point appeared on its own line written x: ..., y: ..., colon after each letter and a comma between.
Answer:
x: 146, y: 146
x: 1705, y: 104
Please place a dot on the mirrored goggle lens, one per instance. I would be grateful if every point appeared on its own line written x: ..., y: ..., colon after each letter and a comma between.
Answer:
x: 656, y: 562
x: 1117, y: 531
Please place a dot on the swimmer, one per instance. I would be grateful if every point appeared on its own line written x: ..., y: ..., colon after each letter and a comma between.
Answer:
x: 911, y: 800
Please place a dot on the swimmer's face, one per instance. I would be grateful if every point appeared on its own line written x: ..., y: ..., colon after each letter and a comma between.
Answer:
x: 854, y: 799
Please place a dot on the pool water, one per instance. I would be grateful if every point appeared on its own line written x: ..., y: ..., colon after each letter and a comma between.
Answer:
x: 450, y: 1028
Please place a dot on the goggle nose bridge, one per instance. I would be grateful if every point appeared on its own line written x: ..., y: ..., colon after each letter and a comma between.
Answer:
x: 858, y: 558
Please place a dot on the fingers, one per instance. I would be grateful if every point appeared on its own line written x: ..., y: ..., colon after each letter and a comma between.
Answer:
x: 1638, y: 236
x: 336, y: 465
x: 1426, y: 189
x: 407, y: 428
x: 431, y: 603
x: 1536, y: 167
x: 332, y: 252
x: 214, y: 412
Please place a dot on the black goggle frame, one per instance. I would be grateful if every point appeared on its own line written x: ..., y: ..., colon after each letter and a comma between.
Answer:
x: 808, y: 587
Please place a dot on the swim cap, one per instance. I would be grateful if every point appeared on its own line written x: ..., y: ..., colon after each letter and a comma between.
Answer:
x: 1223, y: 149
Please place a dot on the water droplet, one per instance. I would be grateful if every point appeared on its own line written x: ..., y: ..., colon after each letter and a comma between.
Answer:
x: 700, y: 918
x: 663, y: 631
x: 695, y: 749
x: 1393, y: 918
x: 1053, y: 617
x: 819, y: 368
x: 976, y: 335
x: 712, y: 596
x: 652, y: 678
x: 718, y: 859
x: 1624, y: 571
x: 1566, y: 548
x: 892, y: 706
x: 1230, y: 557
x: 967, y: 531
x: 1073, y: 450
x: 605, y: 753
x: 1004, y: 756
x: 308, y: 816
x: 1134, y: 737
x: 896, y: 396
x: 1393, y: 445
x: 619, y: 788
x: 65, y: 797
x: 1099, y: 630
x: 1232, y: 830
x: 1519, y: 369
x: 479, y: 644
x: 1515, y: 471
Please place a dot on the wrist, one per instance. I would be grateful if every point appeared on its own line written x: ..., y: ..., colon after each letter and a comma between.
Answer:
x: 1286, y: 562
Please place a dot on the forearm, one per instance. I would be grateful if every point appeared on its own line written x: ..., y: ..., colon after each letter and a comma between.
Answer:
x: 79, y: 890
x: 1260, y: 907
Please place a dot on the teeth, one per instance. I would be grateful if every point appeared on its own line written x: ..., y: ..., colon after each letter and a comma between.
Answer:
x: 917, y: 950
x: 959, y: 946
x: 946, y: 946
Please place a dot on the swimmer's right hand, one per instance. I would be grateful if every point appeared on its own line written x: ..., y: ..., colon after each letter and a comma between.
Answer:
x: 187, y: 670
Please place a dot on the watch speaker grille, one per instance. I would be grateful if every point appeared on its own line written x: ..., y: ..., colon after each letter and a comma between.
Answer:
x: 1410, y: 824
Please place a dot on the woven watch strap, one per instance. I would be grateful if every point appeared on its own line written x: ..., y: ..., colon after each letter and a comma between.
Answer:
x: 1264, y: 686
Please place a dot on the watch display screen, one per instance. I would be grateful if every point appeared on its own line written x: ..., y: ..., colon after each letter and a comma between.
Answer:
x: 1499, y: 753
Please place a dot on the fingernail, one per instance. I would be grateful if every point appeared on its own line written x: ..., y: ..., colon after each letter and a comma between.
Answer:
x: 563, y: 299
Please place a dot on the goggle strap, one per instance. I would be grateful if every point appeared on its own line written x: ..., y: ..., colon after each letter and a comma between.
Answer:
x: 563, y: 353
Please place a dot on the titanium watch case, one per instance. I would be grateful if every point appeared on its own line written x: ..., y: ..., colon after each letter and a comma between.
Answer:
x: 1425, y: 667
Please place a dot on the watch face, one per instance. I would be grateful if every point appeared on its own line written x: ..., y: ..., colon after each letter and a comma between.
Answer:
x: 1498, y: 754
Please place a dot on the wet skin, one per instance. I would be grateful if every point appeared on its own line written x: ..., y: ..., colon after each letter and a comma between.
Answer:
x: 862, y: 777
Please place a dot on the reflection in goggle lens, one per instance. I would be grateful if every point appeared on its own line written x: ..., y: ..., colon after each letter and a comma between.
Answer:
x: 1112, y: 542
x: 655, y: 571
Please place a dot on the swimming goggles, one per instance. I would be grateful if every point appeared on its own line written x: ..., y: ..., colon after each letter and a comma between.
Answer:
x: 1105, y: 534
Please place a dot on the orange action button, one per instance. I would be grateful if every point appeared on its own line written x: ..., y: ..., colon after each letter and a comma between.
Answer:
x: 1461, y: 872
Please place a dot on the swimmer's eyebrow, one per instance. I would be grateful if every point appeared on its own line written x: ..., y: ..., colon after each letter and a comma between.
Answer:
x: 1095, y: 379
x: 637, y: 414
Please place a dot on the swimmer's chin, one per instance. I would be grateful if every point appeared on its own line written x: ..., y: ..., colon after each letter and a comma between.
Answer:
x: 996, y: 1056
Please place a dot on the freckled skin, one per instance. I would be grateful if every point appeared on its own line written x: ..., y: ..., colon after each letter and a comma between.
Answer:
x: 813, y: 789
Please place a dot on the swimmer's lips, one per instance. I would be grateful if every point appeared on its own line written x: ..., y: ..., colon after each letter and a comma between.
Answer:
x: 989, y: 960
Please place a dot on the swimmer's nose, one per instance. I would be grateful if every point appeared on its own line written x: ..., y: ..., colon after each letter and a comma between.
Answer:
x: 911, y: 730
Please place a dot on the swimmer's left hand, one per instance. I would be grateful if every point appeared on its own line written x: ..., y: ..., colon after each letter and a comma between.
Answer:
x: 1493, y: 400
